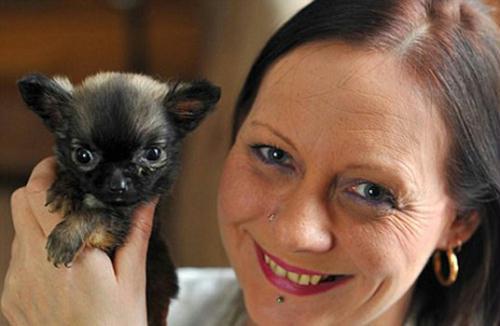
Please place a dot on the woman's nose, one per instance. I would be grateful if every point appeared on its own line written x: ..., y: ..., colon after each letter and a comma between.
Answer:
x: 303, y: 224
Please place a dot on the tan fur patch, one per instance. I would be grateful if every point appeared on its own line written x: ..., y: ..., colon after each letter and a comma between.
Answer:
x: 101, y: 239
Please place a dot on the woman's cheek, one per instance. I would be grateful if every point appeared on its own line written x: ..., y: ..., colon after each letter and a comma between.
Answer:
x: 389, y: 249
x: 243, y: 194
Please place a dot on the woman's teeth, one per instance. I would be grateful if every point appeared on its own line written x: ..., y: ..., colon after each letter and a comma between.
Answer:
x: 302, y: 279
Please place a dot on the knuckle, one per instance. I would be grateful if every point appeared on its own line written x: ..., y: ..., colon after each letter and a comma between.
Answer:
x: 37, y: 184
x: 42, y: 176
x: 18, y: 196
x: 18, y: 206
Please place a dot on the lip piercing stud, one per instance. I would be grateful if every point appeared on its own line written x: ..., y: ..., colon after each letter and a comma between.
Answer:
x: 280, y: 299
x: 271, y: 217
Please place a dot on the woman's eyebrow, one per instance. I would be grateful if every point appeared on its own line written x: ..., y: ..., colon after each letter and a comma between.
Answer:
x: 274, y: 131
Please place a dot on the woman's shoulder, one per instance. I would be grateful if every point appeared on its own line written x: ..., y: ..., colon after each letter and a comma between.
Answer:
x: 207, y: 296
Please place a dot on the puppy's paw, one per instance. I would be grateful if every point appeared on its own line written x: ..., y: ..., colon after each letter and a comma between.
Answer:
x: 55, y: 203
x: 63, y: 244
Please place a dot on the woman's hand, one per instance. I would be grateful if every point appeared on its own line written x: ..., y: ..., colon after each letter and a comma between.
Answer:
x: 94, y: 291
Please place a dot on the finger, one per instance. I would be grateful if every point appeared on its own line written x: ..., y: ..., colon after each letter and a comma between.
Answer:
x: 46, y: 219
x: 42, y: 176
x: 41, y: 179
x: 130, y: 259
x: 23, y: 219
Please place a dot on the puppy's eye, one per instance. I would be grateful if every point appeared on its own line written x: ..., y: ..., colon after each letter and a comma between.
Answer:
x: 152, y: 154
x: 83, y: 156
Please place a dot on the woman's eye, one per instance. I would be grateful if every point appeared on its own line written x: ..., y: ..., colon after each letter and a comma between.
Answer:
x: 272, y: 155
x: 373, y: 193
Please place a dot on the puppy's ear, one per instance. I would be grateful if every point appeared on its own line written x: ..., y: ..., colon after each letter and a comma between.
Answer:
x: 48, y: 98
x: 187, y: 103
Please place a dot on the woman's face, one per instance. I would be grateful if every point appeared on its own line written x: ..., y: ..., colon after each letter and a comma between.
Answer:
x: 349, y: 156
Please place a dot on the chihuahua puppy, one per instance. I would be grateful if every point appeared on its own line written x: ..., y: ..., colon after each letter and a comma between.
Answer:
x: 117, y: 144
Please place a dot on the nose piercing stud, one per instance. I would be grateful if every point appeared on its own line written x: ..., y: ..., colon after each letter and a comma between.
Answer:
x: 271, y: 217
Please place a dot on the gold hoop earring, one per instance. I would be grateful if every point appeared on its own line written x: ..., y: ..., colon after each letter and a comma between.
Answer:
x: 452, y: 266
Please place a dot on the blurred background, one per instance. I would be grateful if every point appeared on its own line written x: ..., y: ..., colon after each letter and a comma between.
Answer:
x: 215, y: 39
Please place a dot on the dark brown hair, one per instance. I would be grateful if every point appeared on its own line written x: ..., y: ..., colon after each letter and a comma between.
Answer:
x: 452, y: 48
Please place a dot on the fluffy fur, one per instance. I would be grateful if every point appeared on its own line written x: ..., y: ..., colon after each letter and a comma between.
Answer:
x: 118, y: 138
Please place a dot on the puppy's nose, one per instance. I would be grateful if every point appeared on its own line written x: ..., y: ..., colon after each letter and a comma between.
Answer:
x: 118, y: 183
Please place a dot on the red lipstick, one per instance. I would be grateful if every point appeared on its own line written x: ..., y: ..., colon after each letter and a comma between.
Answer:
x: 284, y: 284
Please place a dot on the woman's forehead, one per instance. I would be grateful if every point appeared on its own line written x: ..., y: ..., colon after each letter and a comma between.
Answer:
x: 348, y: 89
x: 325, y: 68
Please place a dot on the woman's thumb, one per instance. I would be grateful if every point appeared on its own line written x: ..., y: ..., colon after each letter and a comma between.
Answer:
x: 130, y: 259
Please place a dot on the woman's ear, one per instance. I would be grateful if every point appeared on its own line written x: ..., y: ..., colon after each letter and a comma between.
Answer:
x: 460, y: 231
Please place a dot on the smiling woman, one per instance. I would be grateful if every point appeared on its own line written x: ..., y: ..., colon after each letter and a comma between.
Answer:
x: 357, y: 130
x: 366, y: 141
x: 352, y: 164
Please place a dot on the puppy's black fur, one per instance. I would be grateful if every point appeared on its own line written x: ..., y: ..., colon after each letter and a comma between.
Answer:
x: 118, y: 139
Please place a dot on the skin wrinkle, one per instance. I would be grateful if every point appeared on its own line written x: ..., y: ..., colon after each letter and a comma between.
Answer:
x: 389, y: 145
x: 374, y: 296
x: 359, y: 68
x: 283, y: 73
x: 384, y: 286
x: 407, y: 226
x: 371, y: 110
x: 376, y: 291
x: 368, y: 112
x: 406, y: 192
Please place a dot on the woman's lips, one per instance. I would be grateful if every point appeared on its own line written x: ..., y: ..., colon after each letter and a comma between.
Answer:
x: 296, y: 280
